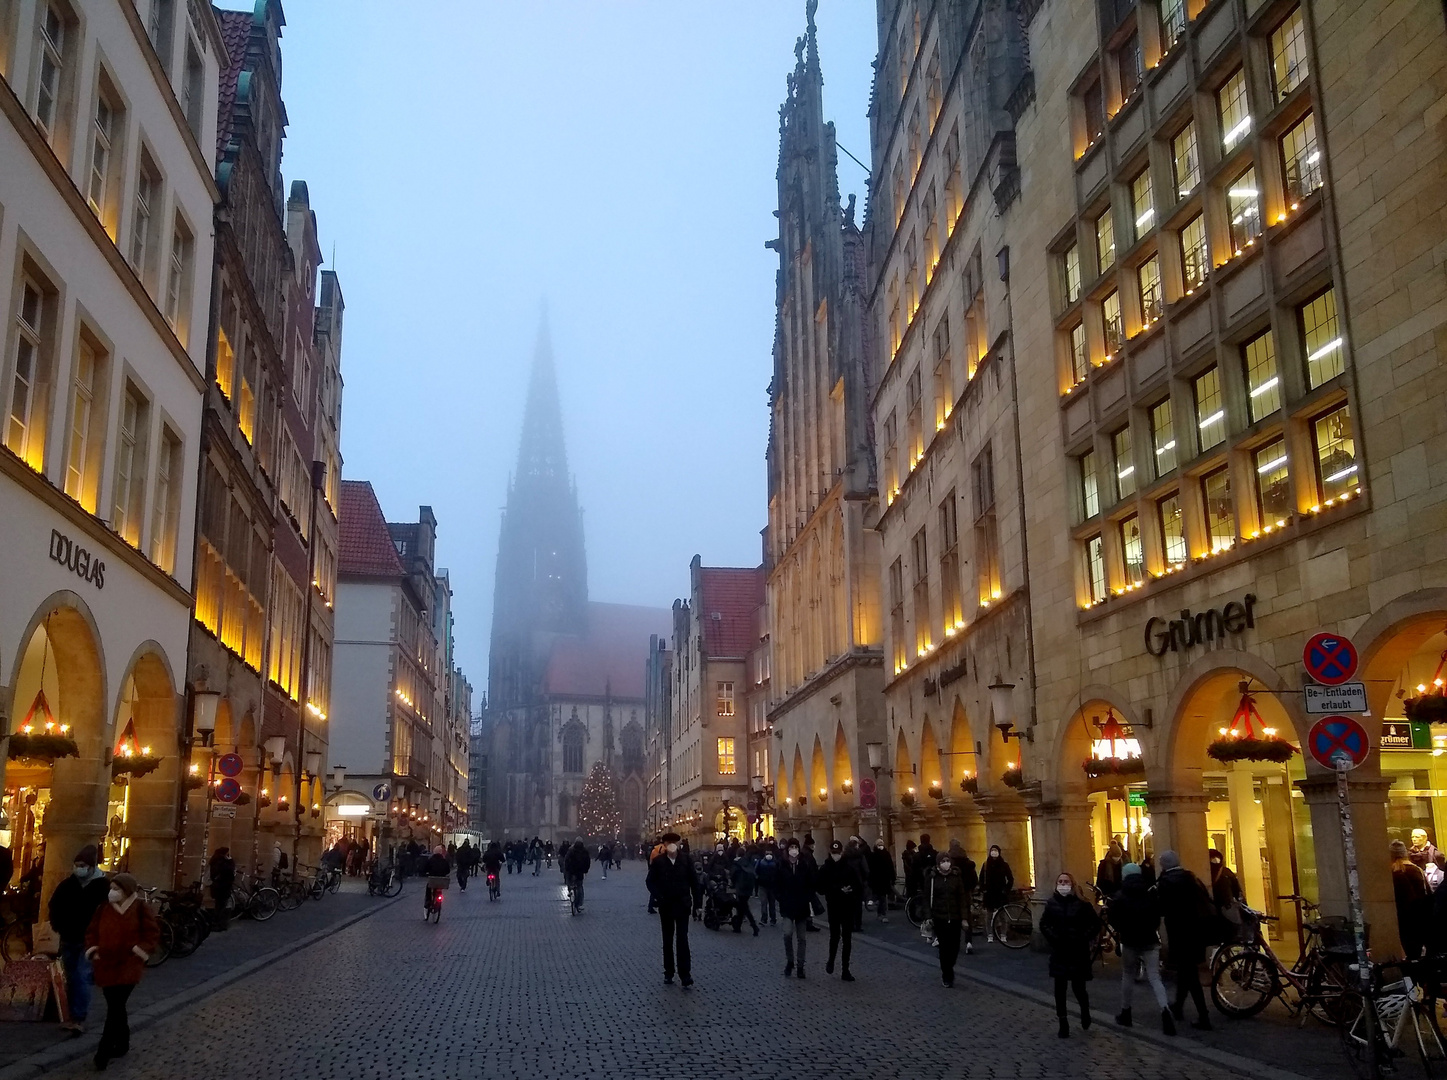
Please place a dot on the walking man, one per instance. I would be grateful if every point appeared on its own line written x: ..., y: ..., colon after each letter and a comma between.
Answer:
x: 794, y: 886
x: 767, y: 876
x: 881, y: 878
x: 72, y: 906
x: 671, y: 881
x: 843, y: 890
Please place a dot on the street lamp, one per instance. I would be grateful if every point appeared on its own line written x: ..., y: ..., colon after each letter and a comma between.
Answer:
x: 339, y: 776
x: 1002, y: 700
x: 203, y: 713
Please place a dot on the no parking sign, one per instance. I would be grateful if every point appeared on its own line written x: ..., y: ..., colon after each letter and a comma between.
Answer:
x: 1334, y: 739
x: 1330, y: 659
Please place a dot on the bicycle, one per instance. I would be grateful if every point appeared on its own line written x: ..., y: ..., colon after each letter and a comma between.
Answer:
x: 256, y: 901
x: 494, y: 887
x: 384, y: 881
x: 1014, y: 924
x: 1105, y: 943
x: 1245, y: 977
x: 1390, y: 1016
x: 575, y: 895
x: 432, y: 898
x: 16, y: 939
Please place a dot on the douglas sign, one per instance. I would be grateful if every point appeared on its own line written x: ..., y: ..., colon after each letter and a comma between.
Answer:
x: 1198, y: 628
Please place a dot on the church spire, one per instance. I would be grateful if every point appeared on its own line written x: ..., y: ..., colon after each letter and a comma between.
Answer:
x: 541, y: 452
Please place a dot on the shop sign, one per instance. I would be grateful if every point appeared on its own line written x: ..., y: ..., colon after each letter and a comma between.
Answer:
x: 1350, y: 697
x: 73, y: 557
x: 1135, y: 798
x: 1406, y: 735
x: 1198, y: 628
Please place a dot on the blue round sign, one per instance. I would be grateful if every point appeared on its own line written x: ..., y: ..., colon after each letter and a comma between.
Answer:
x: 1335, y: 737
x: 1330, y: 659
x: 382, y: 792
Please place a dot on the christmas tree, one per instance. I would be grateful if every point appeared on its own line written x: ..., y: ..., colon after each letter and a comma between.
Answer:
x: 598, y: 814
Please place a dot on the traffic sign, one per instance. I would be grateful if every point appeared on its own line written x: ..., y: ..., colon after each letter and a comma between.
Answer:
x: 229, y: 765
x: 223, y: 810
x: 1334, y: 738
x: 1330, y: 659
x: 1348, y: 697
x: 868, y: 795
x: 382, y: 792
x: 227, y: 790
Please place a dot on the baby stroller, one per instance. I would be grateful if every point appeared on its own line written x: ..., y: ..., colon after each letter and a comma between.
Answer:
x: 719, y: 902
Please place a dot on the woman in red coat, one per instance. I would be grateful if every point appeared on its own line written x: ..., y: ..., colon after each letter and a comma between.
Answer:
x: 122, y: 935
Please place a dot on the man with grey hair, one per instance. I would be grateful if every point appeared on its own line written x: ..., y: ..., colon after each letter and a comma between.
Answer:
x: 1191, y: 924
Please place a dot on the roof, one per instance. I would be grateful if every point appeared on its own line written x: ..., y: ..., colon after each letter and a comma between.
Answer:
x: 365, y: 545
x: 728, y: 597
x: 609, y: 658
x: 235, y: 33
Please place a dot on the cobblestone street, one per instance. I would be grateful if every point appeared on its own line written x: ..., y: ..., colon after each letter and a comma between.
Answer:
x: 522, y: 989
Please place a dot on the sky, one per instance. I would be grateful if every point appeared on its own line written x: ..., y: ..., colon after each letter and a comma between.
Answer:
x: 612, y: 161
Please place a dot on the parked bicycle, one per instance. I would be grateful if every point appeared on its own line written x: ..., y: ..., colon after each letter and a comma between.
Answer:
x: 1247, y: 975
x: 1391, y: 1021
x: 1014, y: 924
x: 16, y: 939
x: 255, y: 900
x: 384, y: 880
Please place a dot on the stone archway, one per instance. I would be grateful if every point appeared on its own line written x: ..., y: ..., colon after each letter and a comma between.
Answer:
x: 905, y: 788
x: 843, y: 769
x: 150, y: 704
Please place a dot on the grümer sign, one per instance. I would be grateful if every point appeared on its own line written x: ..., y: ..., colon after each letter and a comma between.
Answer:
x: 1197, y: 628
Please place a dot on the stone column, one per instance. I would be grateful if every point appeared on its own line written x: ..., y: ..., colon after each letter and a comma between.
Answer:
x: 1062, y: 841
x: 963, y: 823
x: 1368, y: 799
x: 1007, y: 819
x: 1178, y: 823
x: 1246, y: 825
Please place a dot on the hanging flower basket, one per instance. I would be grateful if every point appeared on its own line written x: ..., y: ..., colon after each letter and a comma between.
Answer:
x: 936, y: 791
x: 907, y: 798
x: 195, y: 782
x: 1426, y: 708
x: 970, y: 785
x: 263, y: 801
x: 1114, y: 766
x: 1013, y: 778
x: 241, y: 800
x: 42, y: 746
x: 134, y: 765
x: 1248, y: 738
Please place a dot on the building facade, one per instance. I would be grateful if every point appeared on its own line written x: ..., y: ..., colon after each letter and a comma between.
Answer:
x: 106, y: 193
x: 821, y: 556
x: 658, y: 733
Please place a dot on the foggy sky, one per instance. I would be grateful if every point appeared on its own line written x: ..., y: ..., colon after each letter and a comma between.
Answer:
x: 469, y: 162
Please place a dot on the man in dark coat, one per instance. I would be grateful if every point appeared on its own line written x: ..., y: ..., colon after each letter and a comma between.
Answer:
x: 575, y: 869
x: 745, y: 877
x: 856, y: 854
x: 671, y: 881
x: 1107, y: 874
x: 72, y: 906
x: 843, y: 891
x: 807, y: 854
x: 223, y: 881
x: 768, y: 875
x: 794, y: 889
x: 881, y: 878
x: 1191, y: 919
x: 1134, y: 914
x: 949, y: 908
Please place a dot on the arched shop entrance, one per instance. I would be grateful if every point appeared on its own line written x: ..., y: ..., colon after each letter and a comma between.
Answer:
x: 141, y: 807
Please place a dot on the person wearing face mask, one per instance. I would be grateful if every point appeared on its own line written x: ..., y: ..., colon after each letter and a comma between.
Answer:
x: 72, y: 906
x: 767, y: 876
x: 1107, y: 874
x: 843, y: 891
x: 795, y: 888
x: 122, y: 935
x: 1069, y: 926
x: 949, y: 903
x: 856, y: 854
x: 815, y: 906
x: 671, y: 882
x: 881, y: 878
x: 1135, y: 916
x: 997, y: 882
x: 745, y: 880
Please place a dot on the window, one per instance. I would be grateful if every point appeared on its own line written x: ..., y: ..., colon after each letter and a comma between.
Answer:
x: 143, y: 240
x: 1163, y: 437
x: 130, y: 477
x: 1093, y: 102
x: 975, y: 337
x: 1234, y: 112
x: 193, y: 90
x: 1110, y: 319
x: 1195, y: 258
x: 166, y: 502
x: 1120, y: 446
x: 1070, y: 273
x: 1262, y: 385
x: 1105, y: 241
x: 1173, y: 23
x: 724, y: 698
x: 1220, y: 518
x: 891, y: 463
x: 1128, y: 65
x: 933, y: 89
x: 102, y: 136
x: 1288, y: 55
x: 1186, y: 160
x: 1300, y: 158
x: 573, y: 749
x: 1089, y: 484
x: 87, y: 427
x: 725, y: 757
x: 896, y: 615
x: 52, y: 67
x: 161, y: 28
x: 1243, y: 202
x: 1079, y: 356
x: 1173, y: 530
x: 913, y: 428
x: 1273, y: 489
x: 919, y: 551
x: 944, y: 374
x: 1336, y: 458
x: 987, y: 534
x: 1133, y: 550
x: 951, y: 601
x: 1148, y: 275
x: 178, y: 280
x: 301, y: 373
x: 25, y: 425
x: 1210, y: 409
x: 1142, y: 206
x: 1322, y: 339
x: 953, y: 201
x: 1095, y: 568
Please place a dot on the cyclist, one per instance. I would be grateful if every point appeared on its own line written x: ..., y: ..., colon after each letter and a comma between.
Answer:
x: 436, y: 866
x: 492, y: 862
x: 548, y: 853
x: 575, y: 869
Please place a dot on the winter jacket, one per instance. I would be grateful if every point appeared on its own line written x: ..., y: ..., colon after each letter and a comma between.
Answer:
x: 1135, y: 914
x: 745, y: 876
x: 672, y: 882
x: 223, y: 874
x: 881, y: 870
x: 492, y: 859
x: 1225, y: 886
x: 948, y: 897
x: 767, y: 871
x: 436, y: 866
x: 998, y: 882
x: 1107, y: 876
x: 858, y: 857
x: 1069, y: 925
x: 118, y: 942
x: 576, y: 861
x: 1189, y: 914
x: 840, y: 882
x: 74, y: 904
x: 794, y: 887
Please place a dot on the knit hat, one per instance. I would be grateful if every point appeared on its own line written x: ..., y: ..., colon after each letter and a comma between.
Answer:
x: 126, y: 883
x: 1169, y: 861
x: 1398, y: 849
x: 836, y: 846
x: 1130, y: 869
x: 87, y: 855
x: 670, y: 838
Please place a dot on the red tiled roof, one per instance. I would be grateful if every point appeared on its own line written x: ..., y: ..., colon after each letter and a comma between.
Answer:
x: 366, y: 545
x: 235, y: 32
x: 610, y: 657
x: 728, y: 597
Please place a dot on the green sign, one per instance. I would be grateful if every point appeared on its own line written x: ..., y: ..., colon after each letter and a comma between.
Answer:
x: 1135, y: 798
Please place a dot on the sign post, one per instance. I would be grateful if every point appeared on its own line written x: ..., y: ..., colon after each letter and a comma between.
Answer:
x: 1344, y: 765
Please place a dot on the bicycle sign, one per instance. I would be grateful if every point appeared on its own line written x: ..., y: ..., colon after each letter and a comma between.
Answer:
x: 1329, y: 659
x: 1338, y: 737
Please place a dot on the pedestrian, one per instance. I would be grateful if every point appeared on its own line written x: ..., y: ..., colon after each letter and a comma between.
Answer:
x: 575, y: 869
x: 671, y: 880
x: 856, y: 854
x: 843, y: 891
x: 816, y: 907
x: 794, y: 887
x: 1192, y: 923
x: 1107, y: 874
x: 1226, y: 893
x: 906, y: 862
x: 745, y: 877
x: 1069, y: 925
x: 925, y: 858
x: 881, y: 878
x: 7, y: 867
x: 223, y: 882
x: 72, y: 906
x: 605, y: 858
x: 1135, y: 915
x: 1414, y: 909
x: 949, y: 902
x: 970, y: 879
x: 767, y: 876
x: 120, y: 939
x: 997, y: 882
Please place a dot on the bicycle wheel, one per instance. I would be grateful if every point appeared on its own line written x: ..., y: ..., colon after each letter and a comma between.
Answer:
x: 392, y: 885
x: 165, y: 943
x: 288, y: 898
x: 317, y: 889
x: 1013, y: 925
x: 1429, y: 1040
x: 1356, y: 1036
x: 916, y: 909
x: 334, y: 883
x: 16, y: 941
x: 1244, y: 985
x: 263, y: 903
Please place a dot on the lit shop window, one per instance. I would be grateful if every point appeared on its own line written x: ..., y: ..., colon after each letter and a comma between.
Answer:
x: 1142, y: 206
x: 1243, y: 201
x: 1105, y: 241
x: 1322, y: 338
x: 1149, y: 278
x: 1336, y: 458
x: 1095, y: 568
x: 1186, y: 161
x: 1133, y: 551
x: 1262, y: 384
x: 1210, y: 409
x: 1301, y: 159
x: 1220, y: 517
x: 1288, y: 54
x: 1163, y: 437
x: 1089, y: 484
x: 1173, y: 530
x: 1235, y: 113
x: 1195, y: 256
x: 1124, y: 463
x: 1273, y: 488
